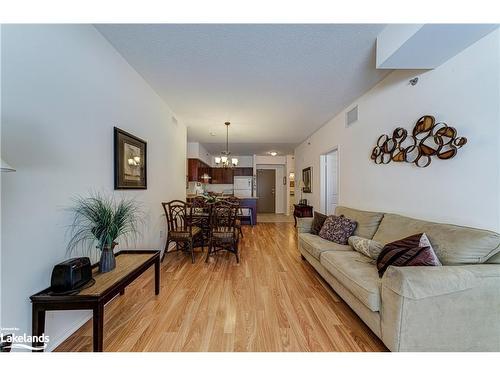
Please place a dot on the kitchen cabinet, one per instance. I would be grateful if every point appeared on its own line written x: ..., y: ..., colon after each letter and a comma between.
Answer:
x: 192, y: 169
x: 196, y: 169
x: 222, y: 175
x: 228, y: 176
x: 216, y: 176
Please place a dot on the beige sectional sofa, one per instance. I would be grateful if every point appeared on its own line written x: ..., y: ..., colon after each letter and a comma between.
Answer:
x: 454, y: 307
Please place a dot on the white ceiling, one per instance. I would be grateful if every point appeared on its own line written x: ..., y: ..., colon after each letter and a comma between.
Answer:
x: 277, y: 84
x: 251, y: 148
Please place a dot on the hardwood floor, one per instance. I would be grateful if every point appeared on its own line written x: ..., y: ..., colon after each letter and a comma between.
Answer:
x: 271, y: 301
x: 274, y: 218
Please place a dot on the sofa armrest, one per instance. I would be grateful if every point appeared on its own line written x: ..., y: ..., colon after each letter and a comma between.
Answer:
x: 304, y: 224
x: 424, y: 282
x: 448, y: 308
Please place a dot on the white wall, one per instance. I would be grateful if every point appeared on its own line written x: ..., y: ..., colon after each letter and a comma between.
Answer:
x: 204, y: 155
x: 195, y: 150
x: 463, y: 92
x: 192, y: 150
x: 64, y: 88
x: 265, y: 159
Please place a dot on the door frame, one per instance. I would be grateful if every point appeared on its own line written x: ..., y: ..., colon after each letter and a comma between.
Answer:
x: 322, y: 179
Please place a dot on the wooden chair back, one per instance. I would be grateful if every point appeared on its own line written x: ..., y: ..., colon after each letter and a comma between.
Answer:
x: 178, y: 215
x: 223, y: 216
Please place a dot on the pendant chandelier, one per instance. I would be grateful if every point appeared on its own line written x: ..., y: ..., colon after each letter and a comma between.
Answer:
x: 225, y: 160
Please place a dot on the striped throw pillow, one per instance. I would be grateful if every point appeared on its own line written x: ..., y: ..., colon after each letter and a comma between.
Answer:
x: 415, y: 250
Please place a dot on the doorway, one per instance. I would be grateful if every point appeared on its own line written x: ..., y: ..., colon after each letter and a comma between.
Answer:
x: 266, y: 189
x: 329, y: 182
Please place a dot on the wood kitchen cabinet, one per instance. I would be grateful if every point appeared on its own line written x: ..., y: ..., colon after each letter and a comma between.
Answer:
x: 222, y: 175
x: 228, y: 176
x: 216, y: 176
x: 196, y: 169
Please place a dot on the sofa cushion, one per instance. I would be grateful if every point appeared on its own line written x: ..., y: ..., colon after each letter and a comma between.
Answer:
x: 495, y: 259
x: 368, y: 222
x: 414, y: 250
x: 356, y: 273
x: 304, y: 224
x: 315, y: 245
x: 453, y: 244
x: 337, y: 229
x: 318, y: 221
x: 369, y: 248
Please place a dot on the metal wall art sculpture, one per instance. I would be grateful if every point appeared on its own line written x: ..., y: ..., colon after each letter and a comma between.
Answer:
x: 428, y: 139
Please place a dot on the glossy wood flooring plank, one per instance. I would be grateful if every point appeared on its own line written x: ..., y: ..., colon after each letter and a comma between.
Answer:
x: 271, y: 301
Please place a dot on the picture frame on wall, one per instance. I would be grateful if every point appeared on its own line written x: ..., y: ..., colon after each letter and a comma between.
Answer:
x: 130, y: 161
x: 307, y: 180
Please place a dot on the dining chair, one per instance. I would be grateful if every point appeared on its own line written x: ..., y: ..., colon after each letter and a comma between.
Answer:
x: 236, y: 201
x: 200, y: 211
x: 181, y: 230
x: 224, y: 234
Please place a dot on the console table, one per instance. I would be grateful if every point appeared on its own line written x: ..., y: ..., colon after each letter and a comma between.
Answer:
x: 302, y: 210
x: 130, y: 264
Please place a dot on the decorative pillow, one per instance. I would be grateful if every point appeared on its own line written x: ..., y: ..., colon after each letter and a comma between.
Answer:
x: 337, y: 229
x: 366, y: 246
x: 318, y: 221
x: 415, y: 250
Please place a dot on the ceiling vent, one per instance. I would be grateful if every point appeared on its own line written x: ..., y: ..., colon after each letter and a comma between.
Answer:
x: 351, y: 117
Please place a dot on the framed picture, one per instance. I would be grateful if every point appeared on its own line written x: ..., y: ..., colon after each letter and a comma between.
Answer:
x: 130, y: 161
x: 307, y: 180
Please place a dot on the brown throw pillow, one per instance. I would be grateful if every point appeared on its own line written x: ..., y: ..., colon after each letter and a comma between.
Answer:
x: 318, y: 221
x: 337, y: 229
x: 415, y: 250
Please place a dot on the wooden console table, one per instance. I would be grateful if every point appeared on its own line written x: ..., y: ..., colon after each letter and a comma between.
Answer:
x: 130, y: 264
x: 302, y: 210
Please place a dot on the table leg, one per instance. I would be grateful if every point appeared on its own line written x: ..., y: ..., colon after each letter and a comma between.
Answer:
x: 157, y: 276
x: 98, y: 321
x: 37, y: 324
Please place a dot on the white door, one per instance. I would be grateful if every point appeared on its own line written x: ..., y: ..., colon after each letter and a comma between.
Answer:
x: 332, y: 194
x: 329, y: 182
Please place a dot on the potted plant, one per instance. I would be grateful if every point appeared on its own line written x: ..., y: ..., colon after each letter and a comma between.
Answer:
x: 209, y: 198
x: 100, y: 220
